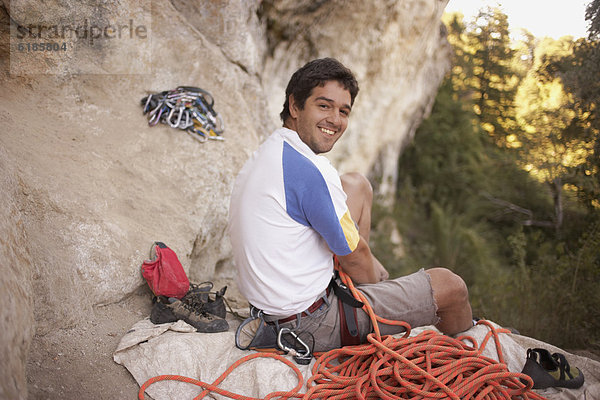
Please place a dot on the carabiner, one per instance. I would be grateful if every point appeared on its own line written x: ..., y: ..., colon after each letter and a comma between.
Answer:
x: 179, y: 111
x: 196, y: 134
x: 256, y: 312
x: 188, y: 120
x: 147, y: 104
x: 156, y: 116
x: 153, y: 112
x: 219, y: 125
x: 199, y: 116
x: 301, y: 357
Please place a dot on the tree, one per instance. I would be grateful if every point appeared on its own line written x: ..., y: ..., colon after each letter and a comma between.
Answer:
x: 441, y: 174
x: 494, y: 81
x: 466, y: 201
x: 580, y: 72
x: 462, y: 66
x: 553, y: 138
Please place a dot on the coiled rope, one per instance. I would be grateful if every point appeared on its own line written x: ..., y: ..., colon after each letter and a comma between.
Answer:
x: 427, y: 366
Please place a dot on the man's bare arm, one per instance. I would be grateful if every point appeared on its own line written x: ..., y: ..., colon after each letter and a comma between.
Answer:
x: 359, y: 264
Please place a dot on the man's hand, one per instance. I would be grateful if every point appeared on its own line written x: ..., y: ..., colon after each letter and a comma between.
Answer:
x: 380, y: 269
x: 360, y: 265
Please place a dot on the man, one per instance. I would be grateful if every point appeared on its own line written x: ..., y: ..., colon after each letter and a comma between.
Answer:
x: 291, y: 212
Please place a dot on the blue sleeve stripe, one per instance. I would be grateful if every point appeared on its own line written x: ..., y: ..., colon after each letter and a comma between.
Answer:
x: 308, y: 200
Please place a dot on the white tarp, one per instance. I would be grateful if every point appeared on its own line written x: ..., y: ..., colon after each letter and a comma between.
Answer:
x: 149, y: 350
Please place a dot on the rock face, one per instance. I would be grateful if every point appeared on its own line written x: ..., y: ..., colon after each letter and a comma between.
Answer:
x: 399, y: 53
x: 87, y: 185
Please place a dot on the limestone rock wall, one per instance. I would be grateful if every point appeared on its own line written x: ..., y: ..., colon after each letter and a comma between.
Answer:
x: 15, y: 285
x: 87, y: 185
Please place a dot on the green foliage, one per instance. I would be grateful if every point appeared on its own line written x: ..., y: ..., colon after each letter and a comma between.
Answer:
x: 558, y: 294
x: 467, y: 200
x: 484, y: 71
x: 580, y: 73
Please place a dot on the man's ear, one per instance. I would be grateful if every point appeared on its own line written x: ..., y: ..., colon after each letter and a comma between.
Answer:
x: 293, y: 107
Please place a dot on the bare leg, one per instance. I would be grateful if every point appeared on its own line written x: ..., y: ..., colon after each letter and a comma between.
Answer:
x: 452, y: 298
x: 449, y: 290
x: 359, y: 201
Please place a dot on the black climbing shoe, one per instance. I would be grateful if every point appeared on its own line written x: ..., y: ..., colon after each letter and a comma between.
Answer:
x: 161, y: 314
x: 551, y: 370
x: 201, y: 299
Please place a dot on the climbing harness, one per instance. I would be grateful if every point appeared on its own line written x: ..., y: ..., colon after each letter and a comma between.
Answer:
x: 429, y: 365
x: 257, y: 333
x: 188, y: 108
x: 347, y: 306
x: 254, y: 333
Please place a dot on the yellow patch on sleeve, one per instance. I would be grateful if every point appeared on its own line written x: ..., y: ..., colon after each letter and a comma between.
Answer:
x: 350, y: 231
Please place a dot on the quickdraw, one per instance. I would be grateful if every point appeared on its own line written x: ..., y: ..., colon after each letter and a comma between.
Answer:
x: 188, y: 108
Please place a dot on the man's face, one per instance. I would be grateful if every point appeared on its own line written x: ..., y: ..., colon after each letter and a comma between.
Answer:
x: 324, y: 117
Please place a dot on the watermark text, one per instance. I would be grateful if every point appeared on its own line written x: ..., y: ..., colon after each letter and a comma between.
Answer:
x: 86, y: 30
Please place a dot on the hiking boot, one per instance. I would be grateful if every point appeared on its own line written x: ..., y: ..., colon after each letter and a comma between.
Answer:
x: 176, y: 310
x: 199, y: 299
x: 202, y: 321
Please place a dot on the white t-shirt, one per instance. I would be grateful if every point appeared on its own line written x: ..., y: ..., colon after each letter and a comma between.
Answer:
x: 287, y: 217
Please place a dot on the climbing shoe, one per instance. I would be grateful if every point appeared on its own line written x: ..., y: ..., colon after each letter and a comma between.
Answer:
x: 161, y: 314
x: 201, y: 298
x: 174, y: 309
x: 551, y: 370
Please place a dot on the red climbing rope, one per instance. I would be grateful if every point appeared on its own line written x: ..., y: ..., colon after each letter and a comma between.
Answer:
x: 213, y: 387
x: 427, y: 366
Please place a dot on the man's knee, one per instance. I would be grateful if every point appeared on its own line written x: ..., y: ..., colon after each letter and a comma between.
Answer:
x: 449, y: 289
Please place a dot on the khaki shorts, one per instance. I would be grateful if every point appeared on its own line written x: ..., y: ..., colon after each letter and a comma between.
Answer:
x: 408, y: 298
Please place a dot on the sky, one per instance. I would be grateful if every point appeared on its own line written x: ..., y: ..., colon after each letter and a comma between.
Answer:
x: 554, y: 18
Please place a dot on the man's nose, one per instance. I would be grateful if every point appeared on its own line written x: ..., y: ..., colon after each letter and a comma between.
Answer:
x: 334, y: 117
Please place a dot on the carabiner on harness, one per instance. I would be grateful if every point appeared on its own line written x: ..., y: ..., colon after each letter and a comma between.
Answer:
x: 302, y: 356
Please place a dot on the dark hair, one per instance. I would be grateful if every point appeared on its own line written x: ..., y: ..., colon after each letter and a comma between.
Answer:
x: 316, y: 73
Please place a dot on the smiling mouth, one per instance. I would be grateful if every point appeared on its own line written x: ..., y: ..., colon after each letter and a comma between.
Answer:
x: 327, y: 131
